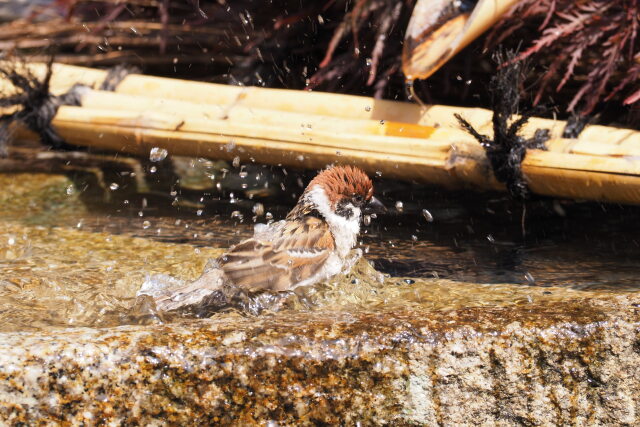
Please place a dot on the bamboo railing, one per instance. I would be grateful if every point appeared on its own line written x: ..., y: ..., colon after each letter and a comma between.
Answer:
x: 310, y: 130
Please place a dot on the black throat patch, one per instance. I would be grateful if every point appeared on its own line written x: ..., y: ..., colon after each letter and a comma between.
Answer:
x: 343, y: 210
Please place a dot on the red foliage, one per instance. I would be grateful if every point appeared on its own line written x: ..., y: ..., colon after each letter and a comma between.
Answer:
x: 587, y: 43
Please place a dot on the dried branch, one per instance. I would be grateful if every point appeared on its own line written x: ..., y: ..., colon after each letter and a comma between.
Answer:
x: 593, y: 41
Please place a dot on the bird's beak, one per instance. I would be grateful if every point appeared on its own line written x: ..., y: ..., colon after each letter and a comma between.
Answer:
x: 374, y: 206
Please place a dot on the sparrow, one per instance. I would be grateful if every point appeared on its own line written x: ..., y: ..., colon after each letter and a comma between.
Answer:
x: 313, y: 243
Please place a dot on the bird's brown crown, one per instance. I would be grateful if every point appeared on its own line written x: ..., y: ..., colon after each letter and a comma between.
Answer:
x: 341, y: 182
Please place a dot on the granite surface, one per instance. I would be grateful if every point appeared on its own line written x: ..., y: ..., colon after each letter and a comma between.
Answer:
x: 573, y: 362
x: 359, y: 352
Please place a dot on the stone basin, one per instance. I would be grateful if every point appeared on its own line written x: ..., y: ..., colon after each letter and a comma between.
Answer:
x: 404, y: 351
x: 572, y: 362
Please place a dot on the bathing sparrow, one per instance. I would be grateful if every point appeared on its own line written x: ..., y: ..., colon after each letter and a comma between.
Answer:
x: 315, y: 240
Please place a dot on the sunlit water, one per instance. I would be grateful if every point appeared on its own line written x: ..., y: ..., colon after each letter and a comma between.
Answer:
x: 64, y: 263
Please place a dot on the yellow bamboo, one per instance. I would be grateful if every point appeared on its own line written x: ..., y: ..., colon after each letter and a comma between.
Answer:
x: 313, y: 125
x: 272, y: 126
x: 132, y: 133
x: 315, y: 103
x: 448, y: 162
x: 303, y: 123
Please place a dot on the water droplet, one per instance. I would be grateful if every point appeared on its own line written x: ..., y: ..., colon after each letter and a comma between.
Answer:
x: 114, y: 186
x: 140, y: 213
x: 427, y: 215
x: 70, y: 190
x: 236, y: 214
x: 414, y: 237
x: 381, y: 122
x: 158, y: 154
x: 399, y: 206
x: 366, y: 220
x: 490, y: 238
x: 146, y: 224
x: 368, y: 62
x: 153, y: 169
x: 11, y: 241
x: 378, y: 174
x: 199, y: 212
x: 529, y: 277
x: 243, y: 174
x: 409, y: 281
x: 367, y: 108
x: 557, y: 207
x: 236, y: 162
x: 268, y: 216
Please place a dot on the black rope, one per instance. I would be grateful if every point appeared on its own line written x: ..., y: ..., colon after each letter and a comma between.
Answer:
x: 507, y: 149
x: 575, y: 125
x: 35, y: 106
x: 115, y: 75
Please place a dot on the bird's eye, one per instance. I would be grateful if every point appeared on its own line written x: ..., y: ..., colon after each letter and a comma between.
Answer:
x: 357, y: 199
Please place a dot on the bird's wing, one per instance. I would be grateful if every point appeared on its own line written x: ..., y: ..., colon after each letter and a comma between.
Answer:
x: 296, y: 254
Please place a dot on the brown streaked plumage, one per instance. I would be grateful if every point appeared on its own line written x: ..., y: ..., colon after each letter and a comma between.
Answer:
x: 302, y: 248
x: 293, y: 257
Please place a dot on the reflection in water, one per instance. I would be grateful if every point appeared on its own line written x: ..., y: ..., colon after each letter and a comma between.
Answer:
x: 63, y: 264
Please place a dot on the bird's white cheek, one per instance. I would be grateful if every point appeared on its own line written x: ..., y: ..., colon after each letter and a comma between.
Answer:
x: 345, y: 230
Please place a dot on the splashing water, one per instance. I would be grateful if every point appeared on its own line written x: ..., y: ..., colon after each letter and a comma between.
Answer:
x: 53, y: 274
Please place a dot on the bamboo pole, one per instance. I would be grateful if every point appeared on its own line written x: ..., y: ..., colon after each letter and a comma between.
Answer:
x: 450, y: 163
x: 316, y: 103
x: 303, y: 123
x: 136, y: 133
x: 605, y: 167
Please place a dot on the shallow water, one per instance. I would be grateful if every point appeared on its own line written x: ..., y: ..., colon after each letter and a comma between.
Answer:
x: 67, y: 263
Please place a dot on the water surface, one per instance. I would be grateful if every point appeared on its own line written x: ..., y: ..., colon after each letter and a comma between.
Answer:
x: 66, y: 261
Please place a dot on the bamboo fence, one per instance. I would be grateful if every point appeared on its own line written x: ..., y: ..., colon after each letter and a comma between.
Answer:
x: 310, y: 130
